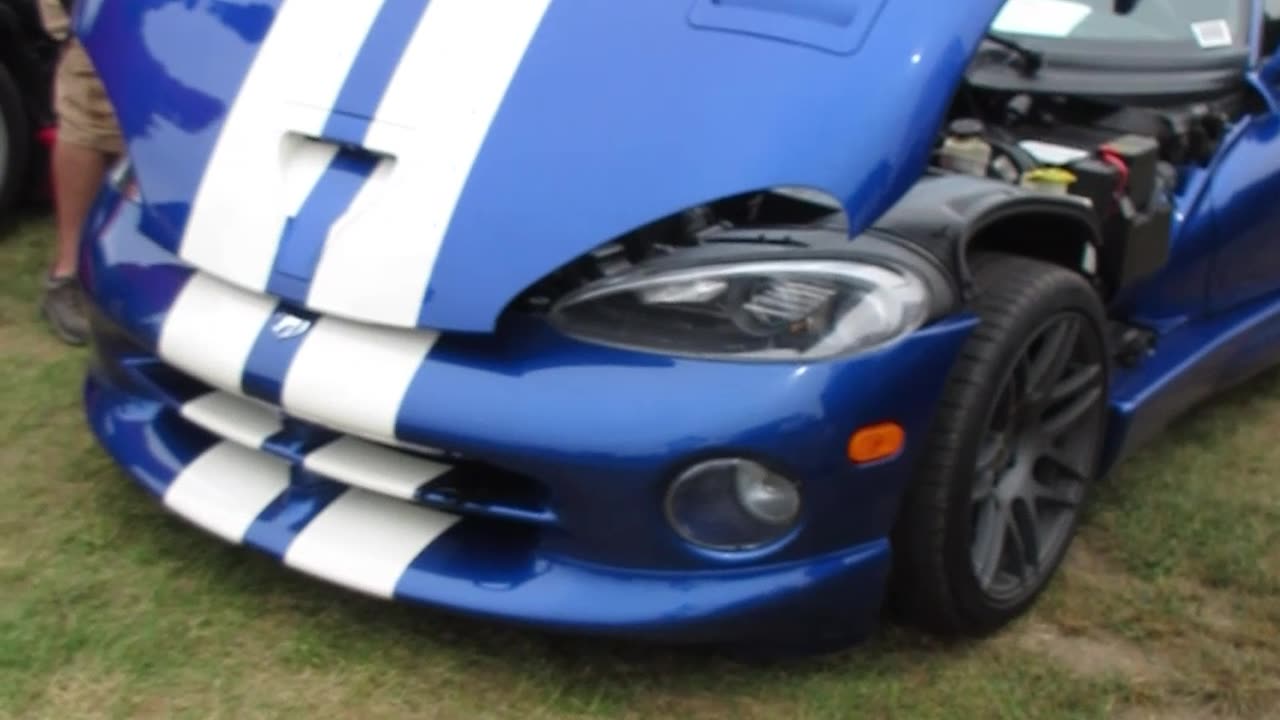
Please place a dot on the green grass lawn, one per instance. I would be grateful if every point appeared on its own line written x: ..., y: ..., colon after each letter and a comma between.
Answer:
x: 1169, y: 608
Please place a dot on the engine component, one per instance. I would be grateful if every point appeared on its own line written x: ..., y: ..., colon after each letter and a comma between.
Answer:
x: 1185, y: 134
x: 1099, y: 181
x: 1141, y: 154
x: 1137, y: 242
x: 1055, y: 181
x: 965, y: 150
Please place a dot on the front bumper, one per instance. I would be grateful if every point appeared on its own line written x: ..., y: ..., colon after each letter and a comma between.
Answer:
x: 588, y: 437
x: 385, y: 547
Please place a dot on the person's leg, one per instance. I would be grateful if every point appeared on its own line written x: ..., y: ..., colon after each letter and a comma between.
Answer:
x: 88, y: 141
x: 78, y: 172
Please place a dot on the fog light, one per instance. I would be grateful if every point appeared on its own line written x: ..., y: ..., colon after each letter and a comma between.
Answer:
x: 732, y: 504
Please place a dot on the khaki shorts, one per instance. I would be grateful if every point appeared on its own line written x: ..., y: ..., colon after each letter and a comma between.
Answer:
x: 85, y: 115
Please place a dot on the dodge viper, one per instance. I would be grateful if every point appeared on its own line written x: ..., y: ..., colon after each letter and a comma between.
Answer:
x: 700, y: 321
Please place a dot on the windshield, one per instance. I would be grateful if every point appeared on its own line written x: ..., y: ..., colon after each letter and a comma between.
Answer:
x: 1197, y: 25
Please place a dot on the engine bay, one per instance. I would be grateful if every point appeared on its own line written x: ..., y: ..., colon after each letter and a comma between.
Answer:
x: 1124, y: 161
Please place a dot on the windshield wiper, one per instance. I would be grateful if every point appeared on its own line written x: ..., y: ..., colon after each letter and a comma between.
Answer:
x: 1031, y: 60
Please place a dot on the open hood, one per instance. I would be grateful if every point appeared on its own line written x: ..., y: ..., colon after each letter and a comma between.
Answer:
x: 421, y: 162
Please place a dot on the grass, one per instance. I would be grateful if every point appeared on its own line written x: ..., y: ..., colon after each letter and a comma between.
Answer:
x: 111, y: 608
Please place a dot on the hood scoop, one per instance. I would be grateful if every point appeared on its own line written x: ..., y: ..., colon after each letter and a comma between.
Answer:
x: 838, y: 26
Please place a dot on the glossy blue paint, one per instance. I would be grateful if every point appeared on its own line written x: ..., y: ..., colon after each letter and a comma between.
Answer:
x: 624, y: 422
x: 1193, y: 363
x: 838, y: 26
x: 714, y: 114
x: 509, y: 575
x: 1247, y: 218
x: 154, y: 457
x: 599, y: 134
x: 271, y: 357
x: 590, y: 88
x: 1216, y: 305
x: 171, y: 101
x: 283, y: 520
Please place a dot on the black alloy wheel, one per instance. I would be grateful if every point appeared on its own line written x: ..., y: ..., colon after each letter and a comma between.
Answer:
x: 1014, y: 450
x: 1033, y: 465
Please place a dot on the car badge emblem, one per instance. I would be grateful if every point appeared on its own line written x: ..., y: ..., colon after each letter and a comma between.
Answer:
x: 288, y: 327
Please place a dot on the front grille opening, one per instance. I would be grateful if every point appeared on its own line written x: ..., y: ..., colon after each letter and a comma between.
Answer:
x: 470, y: 487
x: 480, y: 489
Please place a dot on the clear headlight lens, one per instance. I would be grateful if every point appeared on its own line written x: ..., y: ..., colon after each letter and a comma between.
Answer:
x: 769, y: 310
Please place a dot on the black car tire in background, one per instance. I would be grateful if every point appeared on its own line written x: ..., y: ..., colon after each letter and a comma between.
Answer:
x: 15, y: 141
x: 1016, y: 444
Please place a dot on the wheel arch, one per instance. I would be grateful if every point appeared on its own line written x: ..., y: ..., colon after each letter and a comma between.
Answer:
x: 952, y: 217
x: 1042, y: 231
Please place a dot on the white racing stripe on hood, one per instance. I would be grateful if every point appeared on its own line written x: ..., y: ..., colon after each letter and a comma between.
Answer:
x: 260, y: 171
x: 433, y: 120
x: 365, y: 541
x: 210, y: 330
x: 353, y: 377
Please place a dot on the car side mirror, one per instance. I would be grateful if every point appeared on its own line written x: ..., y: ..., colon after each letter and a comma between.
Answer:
x: 1124, y: 7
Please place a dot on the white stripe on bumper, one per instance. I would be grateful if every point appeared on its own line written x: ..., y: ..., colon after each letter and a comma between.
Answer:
x: 366, y: 542
x: 226, y: 488
x: 210, y: 331
x: 364, y: 465
x: 353, y: 377
x: 433, y: 120
x: 238, y: 419
x: 347, y: 460
x: 346, y: 376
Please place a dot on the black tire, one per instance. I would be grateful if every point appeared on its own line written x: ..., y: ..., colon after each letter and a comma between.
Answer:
x: 950, y: 565
x: 15, y: 141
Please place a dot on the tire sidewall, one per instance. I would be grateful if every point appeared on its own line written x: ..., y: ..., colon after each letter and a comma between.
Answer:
x: 13, y: 115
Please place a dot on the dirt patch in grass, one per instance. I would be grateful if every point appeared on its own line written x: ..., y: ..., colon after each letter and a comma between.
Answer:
x: 1091, y: 656
x: 1272, y: 564
x: 1168, y: 714
x: 78, y: 691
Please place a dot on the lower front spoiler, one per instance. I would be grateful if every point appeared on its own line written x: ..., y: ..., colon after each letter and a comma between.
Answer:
x: 394, y: 549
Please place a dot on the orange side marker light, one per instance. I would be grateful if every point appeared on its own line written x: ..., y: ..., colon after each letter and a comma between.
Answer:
x: 876, y: 442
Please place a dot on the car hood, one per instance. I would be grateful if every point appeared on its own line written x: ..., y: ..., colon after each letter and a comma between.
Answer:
x: 416, y: 163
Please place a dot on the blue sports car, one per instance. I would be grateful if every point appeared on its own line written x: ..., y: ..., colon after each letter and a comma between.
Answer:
x: 686, y: 320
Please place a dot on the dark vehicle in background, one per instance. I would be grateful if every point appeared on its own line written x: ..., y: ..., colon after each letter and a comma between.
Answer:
x: 27, y: 57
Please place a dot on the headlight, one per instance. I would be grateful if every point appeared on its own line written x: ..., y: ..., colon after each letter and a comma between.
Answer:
x: 732, y: 504
x: 768, y: 310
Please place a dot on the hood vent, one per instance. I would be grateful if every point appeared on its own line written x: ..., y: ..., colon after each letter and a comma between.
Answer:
x: 838, y: 26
